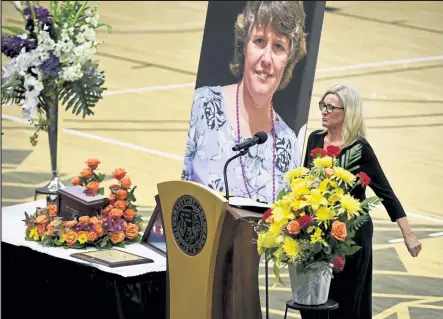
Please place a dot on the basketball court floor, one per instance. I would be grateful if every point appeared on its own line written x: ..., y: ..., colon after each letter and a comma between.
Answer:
x: 392, y: 52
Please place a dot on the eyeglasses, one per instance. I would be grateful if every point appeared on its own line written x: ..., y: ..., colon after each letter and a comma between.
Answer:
x: 329, y: 107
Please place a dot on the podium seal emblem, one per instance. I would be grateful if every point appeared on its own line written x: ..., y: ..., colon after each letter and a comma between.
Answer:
x: 189, y: 225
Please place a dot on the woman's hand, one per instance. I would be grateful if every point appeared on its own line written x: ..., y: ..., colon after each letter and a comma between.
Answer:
x: 412, y: 244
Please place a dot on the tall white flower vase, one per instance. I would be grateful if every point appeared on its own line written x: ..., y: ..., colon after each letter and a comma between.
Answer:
x: 310, y: 287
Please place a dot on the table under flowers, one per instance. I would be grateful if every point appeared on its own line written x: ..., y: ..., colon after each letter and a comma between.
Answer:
x: 47, y: 280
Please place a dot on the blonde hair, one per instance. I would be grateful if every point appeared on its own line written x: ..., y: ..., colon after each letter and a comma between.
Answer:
x: 353, y: 124
x: 288, y: 19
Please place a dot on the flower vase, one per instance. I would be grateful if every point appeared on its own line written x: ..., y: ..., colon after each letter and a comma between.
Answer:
x: 310, y: 286
x: 54, y: 183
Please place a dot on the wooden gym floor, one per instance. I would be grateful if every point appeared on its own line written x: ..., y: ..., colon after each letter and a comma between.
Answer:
x: 393, y: 54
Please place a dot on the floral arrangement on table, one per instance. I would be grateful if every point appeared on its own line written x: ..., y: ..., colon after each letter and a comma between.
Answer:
x: 312, y: 223
x: 117, y: 225
x: 49, y: 60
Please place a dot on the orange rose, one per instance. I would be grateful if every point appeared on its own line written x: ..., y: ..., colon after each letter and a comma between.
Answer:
x: 129, y: 214
x: 54, y: 223
x: 52, y: 209
x: 84, y: 220
x: 92, y: 236
x: 42, y: 219
x: 76, y: 181
x: 112, y: 198
x: 50, y: 231
x: 329, y: 172
x: 71, y: 238
x: 92, y: 163
x: 125, y: 182
x: 117, y: 237
x: 98, y: 228
x: 293, y: 228
x: 121, y: 194
x: 70, y: 223
x: 339, y: 231
x: 107, y: 210
x: 41, y: 229
x: 93, y: 186
x: 94, y: 220
x: 121, y: 204
x: 118, y: 173
x: 86, y: 172
x: 116, y: 213
x: 131, y: 231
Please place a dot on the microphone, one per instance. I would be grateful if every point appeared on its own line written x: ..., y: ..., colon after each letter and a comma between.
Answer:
x: 258, y: 138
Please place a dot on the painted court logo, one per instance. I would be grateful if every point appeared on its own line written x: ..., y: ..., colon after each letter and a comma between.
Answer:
x: 189, y: 225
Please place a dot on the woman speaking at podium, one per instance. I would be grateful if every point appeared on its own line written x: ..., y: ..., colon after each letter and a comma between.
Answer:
x: 269, y: 40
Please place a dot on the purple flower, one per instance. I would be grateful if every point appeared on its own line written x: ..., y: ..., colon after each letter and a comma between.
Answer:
x: 90, y: 228
x: 108, y: 224
x: 42, y: 14
x: 11, y: 46
x: 77, y: 228
x: 51, y: 66
x: 119, y: 225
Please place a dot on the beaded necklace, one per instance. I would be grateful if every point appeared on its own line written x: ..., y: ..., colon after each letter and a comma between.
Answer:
x: 273, y: 147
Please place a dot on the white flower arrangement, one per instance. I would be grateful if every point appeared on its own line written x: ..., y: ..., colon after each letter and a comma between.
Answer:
x: 49, y: 61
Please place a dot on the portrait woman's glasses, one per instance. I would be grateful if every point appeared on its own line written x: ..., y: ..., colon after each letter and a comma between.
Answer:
x: 329, y: 107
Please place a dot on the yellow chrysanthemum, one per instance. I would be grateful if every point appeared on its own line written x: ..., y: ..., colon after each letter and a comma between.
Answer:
x: 290, y: 247
x: 34, y: 234
x: 350, y: 205
x: 299, y: 187
x: 316, y: 198
x: 295, y: 173
x: 324, y: 214
x: 316, y: 237
x: 323, y: 161
x: 276, y: 226
x: 270, y: 240
x: 260, y: 243
x: 324, y: 185
x: 344, y: 175
x: 83, y: 238
x: 310, y: 229
x: 336, y: 194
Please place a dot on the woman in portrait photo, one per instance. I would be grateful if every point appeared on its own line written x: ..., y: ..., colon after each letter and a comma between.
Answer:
x: 343, y: 126
x: 269, y: 41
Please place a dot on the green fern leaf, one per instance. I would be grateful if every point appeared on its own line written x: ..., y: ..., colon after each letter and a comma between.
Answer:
x: 82, y: 95
x: 350, y: 157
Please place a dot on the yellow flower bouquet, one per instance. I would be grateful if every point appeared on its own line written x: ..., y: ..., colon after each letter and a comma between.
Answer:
x: 311, y: 225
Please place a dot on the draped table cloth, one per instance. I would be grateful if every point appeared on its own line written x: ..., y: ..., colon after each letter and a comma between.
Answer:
x: 46, y: 282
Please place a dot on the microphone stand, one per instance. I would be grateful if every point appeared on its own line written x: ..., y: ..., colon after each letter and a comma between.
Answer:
x: 241, y: 153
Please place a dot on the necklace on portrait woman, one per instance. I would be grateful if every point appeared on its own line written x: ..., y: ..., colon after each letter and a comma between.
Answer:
x: 273, y: 147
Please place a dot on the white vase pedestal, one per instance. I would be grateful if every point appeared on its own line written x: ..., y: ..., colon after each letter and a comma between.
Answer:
x: 310, y: 288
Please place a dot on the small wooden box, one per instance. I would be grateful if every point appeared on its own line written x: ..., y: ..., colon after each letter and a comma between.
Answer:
x: 74, y: 201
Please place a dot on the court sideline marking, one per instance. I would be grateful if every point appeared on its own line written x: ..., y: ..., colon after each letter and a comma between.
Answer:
x: 321, y: 70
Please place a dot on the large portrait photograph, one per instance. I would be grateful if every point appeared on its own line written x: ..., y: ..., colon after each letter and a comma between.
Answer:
x: 255, y: 75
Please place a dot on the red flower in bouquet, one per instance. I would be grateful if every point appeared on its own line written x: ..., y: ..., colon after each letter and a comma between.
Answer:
x: 267, y: 214
x: 333, y: 150
x: 305, y: 221
x: 318, y: 152
x: 365, y: 179
x: 338, y: 264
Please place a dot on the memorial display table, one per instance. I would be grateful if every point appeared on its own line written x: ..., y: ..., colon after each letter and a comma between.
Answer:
x: 46, y: 282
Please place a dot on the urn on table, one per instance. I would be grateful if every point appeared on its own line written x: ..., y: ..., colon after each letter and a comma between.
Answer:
x: 78, y: 201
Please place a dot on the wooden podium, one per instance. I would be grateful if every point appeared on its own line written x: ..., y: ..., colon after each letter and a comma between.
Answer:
x: 212, y: 262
